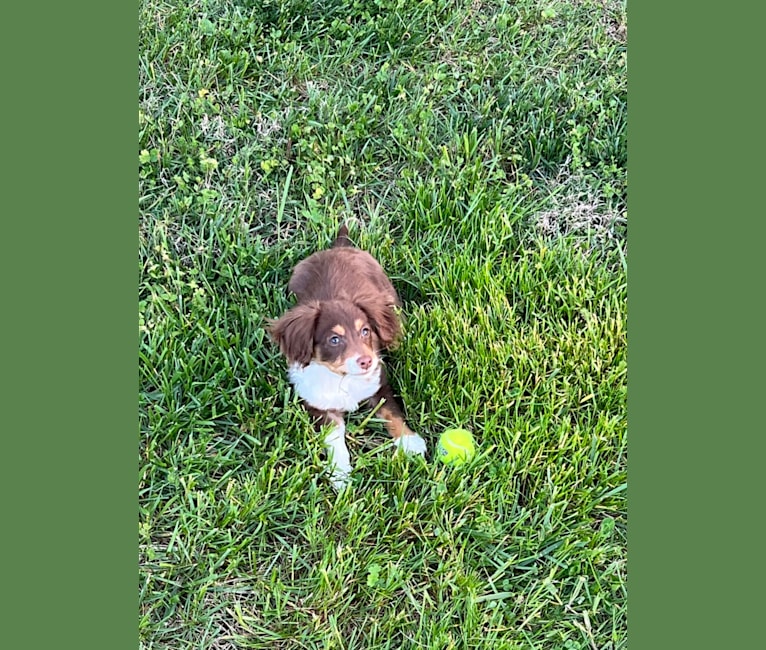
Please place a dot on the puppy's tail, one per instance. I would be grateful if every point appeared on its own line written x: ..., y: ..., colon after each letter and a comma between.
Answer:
x: 341, y: 239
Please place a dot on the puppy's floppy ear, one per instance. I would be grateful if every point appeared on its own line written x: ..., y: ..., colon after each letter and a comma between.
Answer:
x: 383, y: 317
x: 294, y: 332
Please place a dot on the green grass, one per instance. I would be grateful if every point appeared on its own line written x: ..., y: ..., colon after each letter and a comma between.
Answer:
x: 478, y: 149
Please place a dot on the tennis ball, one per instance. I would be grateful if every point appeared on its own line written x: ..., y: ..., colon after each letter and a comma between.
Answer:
x: 456, y: 446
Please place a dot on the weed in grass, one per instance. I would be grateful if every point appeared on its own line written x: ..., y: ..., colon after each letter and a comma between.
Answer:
x: 478, y: 149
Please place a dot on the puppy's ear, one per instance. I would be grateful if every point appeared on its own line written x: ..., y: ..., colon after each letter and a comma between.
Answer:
x: 384, y: 318
x: 294, y: 332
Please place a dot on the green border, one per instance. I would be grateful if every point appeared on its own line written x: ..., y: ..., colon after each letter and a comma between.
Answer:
x: 695, y: 357
x: 69, y: 289
x: 694, y: 354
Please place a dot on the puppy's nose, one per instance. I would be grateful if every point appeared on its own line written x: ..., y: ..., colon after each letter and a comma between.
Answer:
x: 364, y: 362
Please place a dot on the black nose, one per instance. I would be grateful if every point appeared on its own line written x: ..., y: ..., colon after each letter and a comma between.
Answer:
x: 364, y: 362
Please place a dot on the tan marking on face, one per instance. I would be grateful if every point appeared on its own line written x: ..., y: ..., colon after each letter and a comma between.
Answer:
x: 339, y: 330
x: 358, y: 323
x: 338, y: 366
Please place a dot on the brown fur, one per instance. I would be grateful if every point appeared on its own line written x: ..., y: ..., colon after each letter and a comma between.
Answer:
x: 294, y: 332
x: 354, y: 276
x: 339, y: 281
x: 342, y: 289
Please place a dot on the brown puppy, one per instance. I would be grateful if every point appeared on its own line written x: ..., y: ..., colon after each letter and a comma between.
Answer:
x: 332, y: 340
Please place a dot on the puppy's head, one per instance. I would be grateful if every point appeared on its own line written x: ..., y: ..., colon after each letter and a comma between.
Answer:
x: 345, y: 336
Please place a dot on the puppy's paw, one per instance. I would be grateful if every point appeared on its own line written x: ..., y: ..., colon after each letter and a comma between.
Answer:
x: 339, y: 458
x: 410, y: 443
x: 340, y: 478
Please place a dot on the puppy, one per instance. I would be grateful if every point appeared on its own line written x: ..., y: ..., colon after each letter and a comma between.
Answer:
x: 332, y: 341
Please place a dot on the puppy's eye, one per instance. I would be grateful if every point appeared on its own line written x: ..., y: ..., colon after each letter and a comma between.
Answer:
x: 334, y: 340
x: 364, y: 332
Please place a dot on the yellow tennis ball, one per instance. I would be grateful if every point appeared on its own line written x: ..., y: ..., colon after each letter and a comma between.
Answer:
x: 456, y: 446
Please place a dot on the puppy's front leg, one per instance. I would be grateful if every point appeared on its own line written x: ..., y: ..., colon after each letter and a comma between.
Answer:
x: 338, y: 457
x: 404, y: 437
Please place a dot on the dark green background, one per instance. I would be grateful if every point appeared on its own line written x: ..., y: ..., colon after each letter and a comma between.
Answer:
x: 695, y: 327
x: 69, y: 362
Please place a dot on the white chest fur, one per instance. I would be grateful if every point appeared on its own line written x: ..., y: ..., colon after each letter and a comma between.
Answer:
x: 326, y: 390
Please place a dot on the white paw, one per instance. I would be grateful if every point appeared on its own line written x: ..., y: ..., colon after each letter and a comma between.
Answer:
x: 411, y: 444
x: 339, y: 458
x: 340, y: 478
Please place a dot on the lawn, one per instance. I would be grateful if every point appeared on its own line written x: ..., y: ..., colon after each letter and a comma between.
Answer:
x: 478, y: 150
